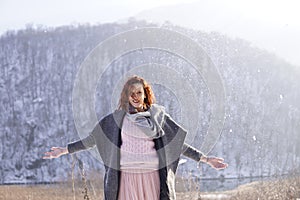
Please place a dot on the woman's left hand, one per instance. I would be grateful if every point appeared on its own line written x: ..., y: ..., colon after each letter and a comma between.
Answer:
x: 217, y: 163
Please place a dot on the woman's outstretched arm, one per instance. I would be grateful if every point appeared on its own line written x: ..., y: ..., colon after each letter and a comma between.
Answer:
x: 214, y: 162
x: 79, y: 145
x: 195, y: 154
x: 55, y: 152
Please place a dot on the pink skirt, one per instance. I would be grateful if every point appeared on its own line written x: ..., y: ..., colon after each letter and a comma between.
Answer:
x: 139, y: 186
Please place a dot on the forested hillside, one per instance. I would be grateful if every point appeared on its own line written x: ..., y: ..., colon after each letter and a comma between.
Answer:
x: 260, y: 136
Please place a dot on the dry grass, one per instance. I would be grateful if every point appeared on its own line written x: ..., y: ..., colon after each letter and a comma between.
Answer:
x: 42, y: 192
x: 283, y: 189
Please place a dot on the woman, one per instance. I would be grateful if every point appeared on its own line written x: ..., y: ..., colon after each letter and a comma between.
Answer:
x: 140, y: 145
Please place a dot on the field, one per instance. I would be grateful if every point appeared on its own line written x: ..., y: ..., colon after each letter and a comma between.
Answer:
x: 282, y: 189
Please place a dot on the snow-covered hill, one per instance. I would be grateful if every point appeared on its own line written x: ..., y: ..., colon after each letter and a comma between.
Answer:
x: 260, y: 136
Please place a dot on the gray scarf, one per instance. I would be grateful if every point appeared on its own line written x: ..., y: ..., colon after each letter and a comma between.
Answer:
x: 150, y: 121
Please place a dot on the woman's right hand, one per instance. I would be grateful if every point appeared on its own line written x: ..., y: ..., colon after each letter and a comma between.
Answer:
x: 55, y: 152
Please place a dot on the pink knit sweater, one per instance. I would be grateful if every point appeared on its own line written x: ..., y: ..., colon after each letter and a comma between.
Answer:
x: 137, y: 149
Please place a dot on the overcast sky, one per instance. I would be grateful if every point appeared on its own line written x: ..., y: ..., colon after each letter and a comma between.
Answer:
x: 276, y: 22
x: 14, y: 14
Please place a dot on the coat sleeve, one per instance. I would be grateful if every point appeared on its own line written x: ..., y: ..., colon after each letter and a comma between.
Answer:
x: 82, y: 144
x: 191, y: 152
x: 186, y: 149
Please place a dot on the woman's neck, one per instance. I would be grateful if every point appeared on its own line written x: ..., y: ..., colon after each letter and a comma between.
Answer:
x: 133, y: 110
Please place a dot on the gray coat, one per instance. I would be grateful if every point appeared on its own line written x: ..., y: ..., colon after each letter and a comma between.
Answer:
x: 107, y: 138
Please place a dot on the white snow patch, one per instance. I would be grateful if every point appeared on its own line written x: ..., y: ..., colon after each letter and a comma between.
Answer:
x: 37, y: 100
x: 215, y: 196
x: 281, y: 96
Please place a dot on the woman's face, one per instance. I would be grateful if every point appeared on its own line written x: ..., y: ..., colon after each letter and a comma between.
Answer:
x: 136, y: 95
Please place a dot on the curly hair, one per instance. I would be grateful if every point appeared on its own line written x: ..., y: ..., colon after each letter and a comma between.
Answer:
x: 149, y: 95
